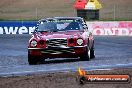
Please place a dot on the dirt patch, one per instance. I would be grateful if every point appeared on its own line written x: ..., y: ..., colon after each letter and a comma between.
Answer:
x: 60, y: 80
x: 116, y: 10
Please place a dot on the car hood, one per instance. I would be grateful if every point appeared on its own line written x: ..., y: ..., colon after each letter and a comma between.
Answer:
x: 67, y: 34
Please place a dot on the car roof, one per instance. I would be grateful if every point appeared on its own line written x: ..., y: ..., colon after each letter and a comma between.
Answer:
x: 62, y: 18
x: 69, y: 18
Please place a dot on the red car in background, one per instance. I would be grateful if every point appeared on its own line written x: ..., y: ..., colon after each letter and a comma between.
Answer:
x: 60, y: 37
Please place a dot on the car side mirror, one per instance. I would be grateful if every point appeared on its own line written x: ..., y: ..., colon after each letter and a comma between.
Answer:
x: 90, y: 33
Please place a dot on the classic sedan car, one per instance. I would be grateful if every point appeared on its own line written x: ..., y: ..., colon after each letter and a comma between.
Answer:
x: 60, y: 37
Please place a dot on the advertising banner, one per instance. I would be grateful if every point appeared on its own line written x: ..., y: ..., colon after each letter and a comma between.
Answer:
x: 17, y: 27
x: 119, y: 28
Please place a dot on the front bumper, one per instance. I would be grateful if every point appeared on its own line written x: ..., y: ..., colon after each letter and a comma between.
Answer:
x: 57, y: 52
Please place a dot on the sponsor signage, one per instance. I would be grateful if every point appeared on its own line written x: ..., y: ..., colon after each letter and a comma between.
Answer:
x: 17, y: 27
x: 83, y: 77
x: 121, y: 28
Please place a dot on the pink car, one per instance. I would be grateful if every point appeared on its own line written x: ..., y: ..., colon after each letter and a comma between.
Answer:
x: 60, y: 37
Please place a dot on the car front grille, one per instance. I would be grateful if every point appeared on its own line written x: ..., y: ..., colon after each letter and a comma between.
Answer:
x: 58, y: 51
x: 56, y: 42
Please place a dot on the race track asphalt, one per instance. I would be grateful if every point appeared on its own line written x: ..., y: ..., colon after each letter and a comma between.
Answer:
x: 111, y: 52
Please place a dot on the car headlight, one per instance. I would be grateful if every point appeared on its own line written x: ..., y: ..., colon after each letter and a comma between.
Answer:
x: 79, y: 41
x: 33, y: 43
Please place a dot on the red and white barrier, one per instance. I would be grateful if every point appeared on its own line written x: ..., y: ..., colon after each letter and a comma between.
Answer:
x: 118, y: 28
x: 121, y: 28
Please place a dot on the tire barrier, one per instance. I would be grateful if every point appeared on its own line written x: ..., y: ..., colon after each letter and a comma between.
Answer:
x: 88, y: 9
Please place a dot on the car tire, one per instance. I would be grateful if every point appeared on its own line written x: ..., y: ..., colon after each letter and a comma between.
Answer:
x: 92, y: 53
x: 86, y: 56
x: 31, y: 60
x: 34, y: 60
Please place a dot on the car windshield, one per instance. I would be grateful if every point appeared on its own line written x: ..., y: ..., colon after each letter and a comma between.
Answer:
x: 54, y: 26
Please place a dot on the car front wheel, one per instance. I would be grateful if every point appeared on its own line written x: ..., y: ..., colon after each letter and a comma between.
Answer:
x: 92, y: 53
x: 34, y: 60
x: 86, y: 56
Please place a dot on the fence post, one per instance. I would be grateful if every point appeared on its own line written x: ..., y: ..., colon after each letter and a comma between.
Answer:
x: 36, y: 13
x: 114, y: 12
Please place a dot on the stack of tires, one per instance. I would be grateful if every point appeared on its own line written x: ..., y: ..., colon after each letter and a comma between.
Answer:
x: 88, y: 10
